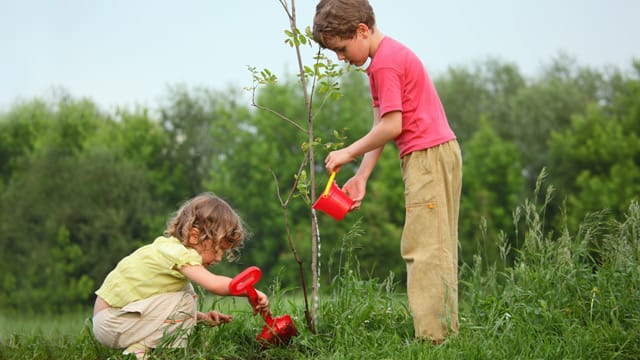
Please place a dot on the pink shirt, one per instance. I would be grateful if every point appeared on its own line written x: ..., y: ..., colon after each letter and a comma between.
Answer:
x: 399, y: 82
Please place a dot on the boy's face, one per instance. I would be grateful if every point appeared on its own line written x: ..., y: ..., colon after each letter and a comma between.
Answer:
x: 354, y: 51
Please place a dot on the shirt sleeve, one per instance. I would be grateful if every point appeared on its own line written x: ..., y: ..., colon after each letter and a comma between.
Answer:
x: 387, y: 84
x: 179, y: 255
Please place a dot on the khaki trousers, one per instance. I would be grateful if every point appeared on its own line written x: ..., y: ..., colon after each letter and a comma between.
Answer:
x: 429, y: 246
x: 144, y: 324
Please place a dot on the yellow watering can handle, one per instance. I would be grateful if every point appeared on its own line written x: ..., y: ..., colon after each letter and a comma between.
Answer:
x: 326, y: 189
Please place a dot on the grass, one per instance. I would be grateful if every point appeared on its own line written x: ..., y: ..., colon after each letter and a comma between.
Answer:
x: 70, y: 324
x: 565, y: 296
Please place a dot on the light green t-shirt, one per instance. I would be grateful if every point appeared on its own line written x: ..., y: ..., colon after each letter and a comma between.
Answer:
x: 148, y: 271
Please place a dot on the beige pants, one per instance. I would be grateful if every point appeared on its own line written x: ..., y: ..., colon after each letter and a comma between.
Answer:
x: 429, y: 245
x: 144, y: 324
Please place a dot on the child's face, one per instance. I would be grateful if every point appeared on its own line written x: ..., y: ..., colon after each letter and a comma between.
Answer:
x: 354, y: 51
x: 209, y: 253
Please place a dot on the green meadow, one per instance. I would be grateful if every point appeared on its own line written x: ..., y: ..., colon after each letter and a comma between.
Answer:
x: 563, y: 296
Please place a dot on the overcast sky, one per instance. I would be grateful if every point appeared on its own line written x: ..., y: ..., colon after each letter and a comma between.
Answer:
x: 127, y: 52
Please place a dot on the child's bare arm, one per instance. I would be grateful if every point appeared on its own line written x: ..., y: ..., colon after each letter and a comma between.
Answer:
x: 218, y: 284
x: 384, y: 130
x: 215, y: 284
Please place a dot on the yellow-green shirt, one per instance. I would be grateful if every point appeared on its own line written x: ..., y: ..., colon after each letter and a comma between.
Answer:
x: 148, y: 271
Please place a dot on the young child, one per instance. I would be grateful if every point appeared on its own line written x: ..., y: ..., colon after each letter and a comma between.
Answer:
x: 406, y: 109
x: 148, y: 297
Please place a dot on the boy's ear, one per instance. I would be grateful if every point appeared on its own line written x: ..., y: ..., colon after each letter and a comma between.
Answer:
x: 363, y: 30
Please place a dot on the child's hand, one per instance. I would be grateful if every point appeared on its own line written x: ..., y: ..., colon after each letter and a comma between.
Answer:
x: 337, y: 158
x: 263, y: 303
x: 214, y: 318
x: 355, y: 188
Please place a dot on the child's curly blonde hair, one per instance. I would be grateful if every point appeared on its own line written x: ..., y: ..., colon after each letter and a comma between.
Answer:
x: 216, y: 221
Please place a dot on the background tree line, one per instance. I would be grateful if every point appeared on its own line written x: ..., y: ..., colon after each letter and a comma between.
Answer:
x: 81, y: 187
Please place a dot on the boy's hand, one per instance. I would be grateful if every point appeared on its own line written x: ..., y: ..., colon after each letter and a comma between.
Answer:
x: 337, y: 158
x: 214, y: 318
x: 355, y: 188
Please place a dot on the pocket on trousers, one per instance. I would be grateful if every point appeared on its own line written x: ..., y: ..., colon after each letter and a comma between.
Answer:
x: 420, y: 227
x: 418, y: 179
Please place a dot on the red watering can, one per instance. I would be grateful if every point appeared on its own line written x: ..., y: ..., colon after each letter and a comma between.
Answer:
x: 277, y: 331
x: 333, y: 201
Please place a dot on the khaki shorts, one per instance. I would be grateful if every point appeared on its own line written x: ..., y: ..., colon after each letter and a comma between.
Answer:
x: 429, y: 246
x: 146, y: 323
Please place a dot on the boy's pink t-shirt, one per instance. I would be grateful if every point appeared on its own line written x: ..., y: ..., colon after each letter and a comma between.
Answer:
x: 399, y: 82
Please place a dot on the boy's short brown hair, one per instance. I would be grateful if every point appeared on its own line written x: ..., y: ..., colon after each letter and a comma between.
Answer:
x: 340, y: 18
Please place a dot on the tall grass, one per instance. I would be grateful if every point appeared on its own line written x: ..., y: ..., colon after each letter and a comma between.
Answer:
x: 562, y: 296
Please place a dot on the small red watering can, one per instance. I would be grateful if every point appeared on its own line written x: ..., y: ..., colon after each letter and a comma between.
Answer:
x: 277, y: 331
x: 333, y: 201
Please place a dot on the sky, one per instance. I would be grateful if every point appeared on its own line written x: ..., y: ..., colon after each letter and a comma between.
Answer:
x: 127, y: 53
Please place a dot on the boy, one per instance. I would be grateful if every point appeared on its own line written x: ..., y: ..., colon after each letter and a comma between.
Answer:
x: 406, y: 109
